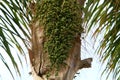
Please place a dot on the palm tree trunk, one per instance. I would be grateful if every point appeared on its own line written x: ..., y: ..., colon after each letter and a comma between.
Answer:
x: 40, y: 60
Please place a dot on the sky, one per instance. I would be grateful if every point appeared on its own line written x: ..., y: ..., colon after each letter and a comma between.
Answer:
x: 88, y: 50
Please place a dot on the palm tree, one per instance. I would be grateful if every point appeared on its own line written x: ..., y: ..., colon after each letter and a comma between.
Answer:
x: 54, y: 47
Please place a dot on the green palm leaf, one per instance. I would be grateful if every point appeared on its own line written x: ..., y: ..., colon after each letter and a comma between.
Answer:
x: 106, y: 15
x: 14, y: 21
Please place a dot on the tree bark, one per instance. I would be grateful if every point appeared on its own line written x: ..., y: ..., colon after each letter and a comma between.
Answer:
x: 40, y: 61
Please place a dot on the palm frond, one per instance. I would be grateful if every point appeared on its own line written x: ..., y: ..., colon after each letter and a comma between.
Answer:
x: 106, y: 15
x: 2, y: 58
x: 14, y: 20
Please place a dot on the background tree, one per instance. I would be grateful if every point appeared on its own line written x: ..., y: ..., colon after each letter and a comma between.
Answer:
x: 27, y: 20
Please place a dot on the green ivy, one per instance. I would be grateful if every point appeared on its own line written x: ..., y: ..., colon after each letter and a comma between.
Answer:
x: 62, y: 21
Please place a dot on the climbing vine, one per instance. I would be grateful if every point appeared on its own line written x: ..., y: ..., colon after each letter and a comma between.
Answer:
x: 62, y: 21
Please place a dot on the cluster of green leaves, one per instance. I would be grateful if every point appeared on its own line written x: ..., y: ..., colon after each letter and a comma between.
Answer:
x: 62, y: 21
x: 106, y: 14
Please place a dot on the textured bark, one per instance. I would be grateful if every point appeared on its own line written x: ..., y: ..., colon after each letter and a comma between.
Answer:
x: 40, y: 62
